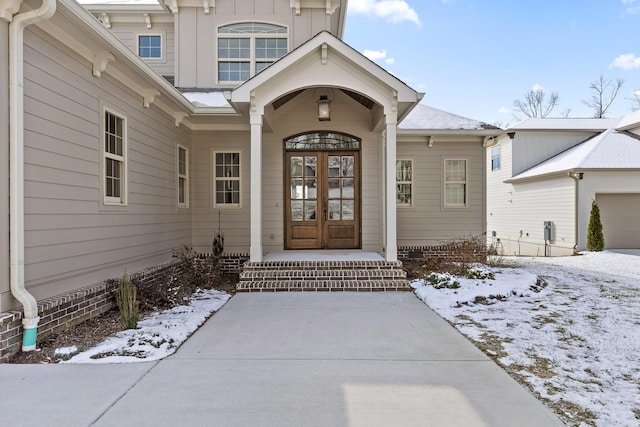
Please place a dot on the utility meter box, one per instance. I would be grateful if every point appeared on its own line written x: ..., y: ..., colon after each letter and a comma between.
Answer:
x: 548, y: 236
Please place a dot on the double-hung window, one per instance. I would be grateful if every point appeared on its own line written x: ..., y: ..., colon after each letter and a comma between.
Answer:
x: 183, y: 177
x: 455, y: 183
x: 245, y: 49
x: 495, y: 157
x: 404, y: 183
x: 115, y: 151
x: 227, y: 179
x: 150, y: 46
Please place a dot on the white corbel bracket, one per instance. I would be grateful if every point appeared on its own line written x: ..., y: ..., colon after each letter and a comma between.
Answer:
x: 8, y: 8
x: 430, y: 142
x: 324, y: 58
x: 148, y: 96
x: 172, y: 5
x: 295, y: 5
x: 106, y: 21
x: 208, y: 4
x: 100, y: 62
x: 147, y: 20
x: 179, y: 116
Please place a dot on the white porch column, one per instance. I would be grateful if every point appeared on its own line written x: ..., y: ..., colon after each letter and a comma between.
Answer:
x: 255, y: 251
x: 391, y: 237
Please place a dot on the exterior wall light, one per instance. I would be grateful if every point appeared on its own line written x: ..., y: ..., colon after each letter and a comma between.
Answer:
x: 324, y: 108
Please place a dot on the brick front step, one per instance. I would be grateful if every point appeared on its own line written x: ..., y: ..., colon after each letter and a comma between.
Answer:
x: 322, y: 276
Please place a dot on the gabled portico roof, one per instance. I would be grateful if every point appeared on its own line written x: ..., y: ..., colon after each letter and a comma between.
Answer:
x: 325, y: 61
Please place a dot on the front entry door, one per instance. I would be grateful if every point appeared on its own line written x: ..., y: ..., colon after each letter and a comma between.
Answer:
x: 322, y: 200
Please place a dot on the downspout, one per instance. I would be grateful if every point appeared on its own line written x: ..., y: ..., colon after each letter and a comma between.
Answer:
x: 576, y: 178
x: 16, y: 166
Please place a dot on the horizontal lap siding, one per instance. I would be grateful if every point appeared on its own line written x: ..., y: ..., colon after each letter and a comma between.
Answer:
x: 234, y: 221
x: 427, y: 222
x: 4, y: 154
x: 71, y: 238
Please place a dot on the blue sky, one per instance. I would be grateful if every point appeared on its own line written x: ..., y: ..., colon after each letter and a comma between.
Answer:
x: 475, y: 57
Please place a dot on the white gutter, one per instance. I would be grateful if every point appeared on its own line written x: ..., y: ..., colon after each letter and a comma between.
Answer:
x: 16, y: 166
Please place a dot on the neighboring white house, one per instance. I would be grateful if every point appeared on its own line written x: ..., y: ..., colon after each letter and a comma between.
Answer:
x: 549, y: 171
x: 137, y: 127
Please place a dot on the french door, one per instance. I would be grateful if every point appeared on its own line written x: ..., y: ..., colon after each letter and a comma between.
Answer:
x: 322, y: 199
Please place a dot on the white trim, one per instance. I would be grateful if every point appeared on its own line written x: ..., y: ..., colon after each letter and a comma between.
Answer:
x: 153, y: 60
x: 184, y: 176
x: 446, y: 205
x: 411, y: 183
x: 108, y: 200
x: 214, y: 178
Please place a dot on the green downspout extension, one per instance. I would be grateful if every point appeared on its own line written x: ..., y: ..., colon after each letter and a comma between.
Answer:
x: 17, y: 25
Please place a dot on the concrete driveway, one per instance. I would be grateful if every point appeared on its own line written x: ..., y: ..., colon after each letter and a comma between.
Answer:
x: 290, y: 359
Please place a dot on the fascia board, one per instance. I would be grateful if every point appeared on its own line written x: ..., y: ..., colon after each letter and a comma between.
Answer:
x: 445, y: 132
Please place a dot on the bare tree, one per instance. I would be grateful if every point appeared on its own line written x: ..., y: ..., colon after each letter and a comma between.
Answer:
x: 603, y: 93
x: 536, y: 103
x: 635, y: 101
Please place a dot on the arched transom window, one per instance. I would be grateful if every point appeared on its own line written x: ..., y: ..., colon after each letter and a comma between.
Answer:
x: 247, y: 48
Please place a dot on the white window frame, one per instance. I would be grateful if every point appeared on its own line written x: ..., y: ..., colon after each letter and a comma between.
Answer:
x: 215, y: 179
x: 122, y: 199
x: 252, y: 60
x: 182, y: 176
x: 445, y: 183
x: 496, y: 149
x: 410, y: 183
x: 162, y: 57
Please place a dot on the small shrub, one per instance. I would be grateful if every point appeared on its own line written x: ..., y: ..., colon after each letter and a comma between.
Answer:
x: 480, y: 274
x: 595, y: 237
x: 126, y: 298
x: 442, y: 281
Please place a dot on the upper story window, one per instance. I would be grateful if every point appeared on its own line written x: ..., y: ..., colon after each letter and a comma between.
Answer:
x: 495, y: 157
x: 150, y: 46
x: 245, y: 49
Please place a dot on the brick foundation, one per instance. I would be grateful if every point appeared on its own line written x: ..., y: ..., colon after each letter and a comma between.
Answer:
x: 61, y: 312
x: 451, y: 252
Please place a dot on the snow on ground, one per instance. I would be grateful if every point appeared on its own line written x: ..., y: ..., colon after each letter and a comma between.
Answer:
x: 576, y: 340
x: 156, y: 337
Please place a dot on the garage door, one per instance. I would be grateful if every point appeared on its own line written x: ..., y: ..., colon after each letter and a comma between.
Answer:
x: 620, y: 216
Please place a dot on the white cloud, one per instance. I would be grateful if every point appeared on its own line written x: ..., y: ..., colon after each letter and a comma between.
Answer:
x: 390, y: 61
x: 537, y: 88
x: 626, y: 62
x: 394, y: 11
x: 631, y: 6
x: 503, y: 110
x: 374, y: 55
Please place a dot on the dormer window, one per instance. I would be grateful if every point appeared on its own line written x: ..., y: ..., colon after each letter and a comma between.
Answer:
x: 247, y: 48
x: 150, y: 46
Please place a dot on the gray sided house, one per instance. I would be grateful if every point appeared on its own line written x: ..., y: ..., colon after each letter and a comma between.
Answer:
x: 544, y: 174
x: 136, y: 127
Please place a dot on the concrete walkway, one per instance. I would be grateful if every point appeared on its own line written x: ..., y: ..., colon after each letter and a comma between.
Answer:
x: 288, y: 359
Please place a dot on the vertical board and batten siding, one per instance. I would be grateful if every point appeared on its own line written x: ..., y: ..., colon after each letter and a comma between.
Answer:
x: 196, y: 46
x: 128, y: 33
x: 532, y: 148
x: 71, y: 238
x: 4, y: 175
x: 234, y: 221
x: 427, y: 221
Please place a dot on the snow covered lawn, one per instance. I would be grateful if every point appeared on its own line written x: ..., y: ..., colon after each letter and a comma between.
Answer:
x: 156, y: 337
x: 575, y: 341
